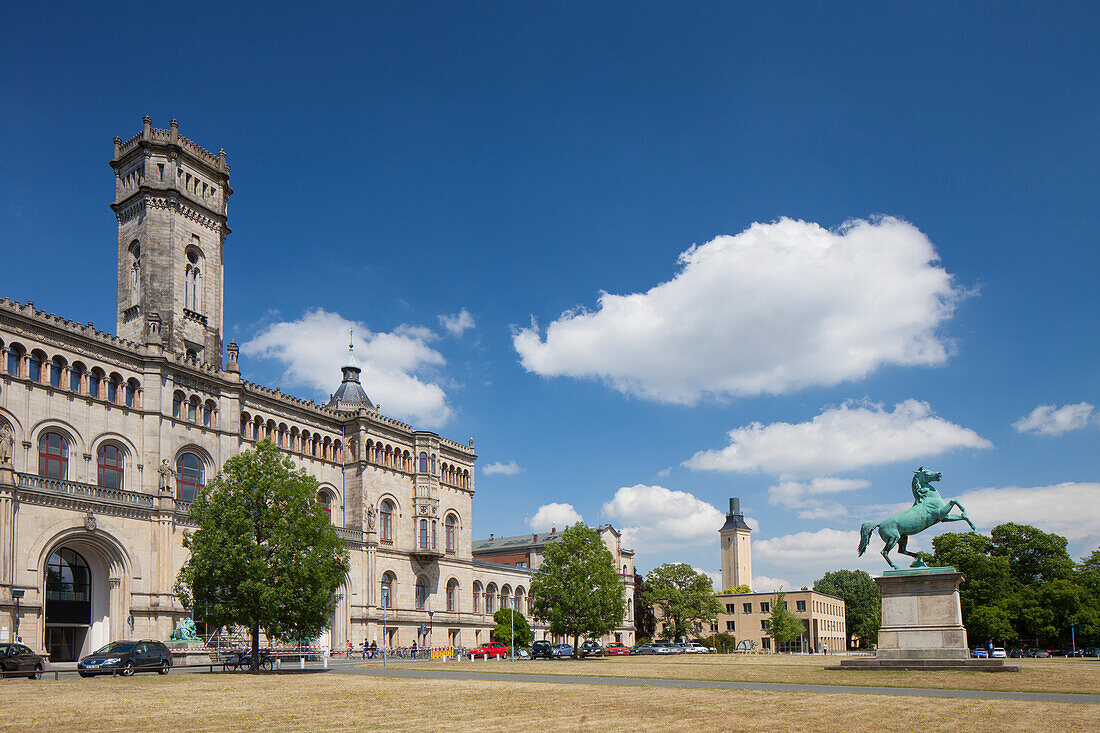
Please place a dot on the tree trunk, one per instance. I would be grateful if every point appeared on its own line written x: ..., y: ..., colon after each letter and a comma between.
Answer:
x: 255, y: 646
x: 576, y: 647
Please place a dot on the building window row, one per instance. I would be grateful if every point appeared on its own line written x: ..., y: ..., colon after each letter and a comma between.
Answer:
x: 77, y: 378
x: 193, y: 409
x: 487, y: 598
x: 290, y: 438
x: 387, y: 456
x: 454, y: 475
x: 427, y: 529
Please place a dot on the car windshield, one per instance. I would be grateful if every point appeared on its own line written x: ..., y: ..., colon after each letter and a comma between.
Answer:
x: 116, y: 647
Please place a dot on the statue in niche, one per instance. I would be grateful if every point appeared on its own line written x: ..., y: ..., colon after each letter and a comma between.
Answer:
x: 166, y: 475
x: 370, y: 518
x: 7, y: 443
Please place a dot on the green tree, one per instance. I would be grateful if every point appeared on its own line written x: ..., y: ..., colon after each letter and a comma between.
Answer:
x: 645, y: 624
x: 684, y: 597
x: 783, y: 625
x: 737, y: 590
x: 723, y: 642
x: 862, y: 601
x: 508, y: 621
x: 265, y: 554
x: 992, y: 623
x: 1034, y: 556
x: 577, y: 590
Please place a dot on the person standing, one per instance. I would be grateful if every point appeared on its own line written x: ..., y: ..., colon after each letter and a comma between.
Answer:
x: 373, y: 648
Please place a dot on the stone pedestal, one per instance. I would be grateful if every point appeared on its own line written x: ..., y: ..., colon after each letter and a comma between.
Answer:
x: 922, y: 625
x: 921, y: 615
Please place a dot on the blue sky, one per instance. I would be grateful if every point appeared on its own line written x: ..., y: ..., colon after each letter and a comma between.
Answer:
x: 919, y: 280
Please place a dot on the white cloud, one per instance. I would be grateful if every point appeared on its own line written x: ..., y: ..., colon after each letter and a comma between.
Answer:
x: 771, y: 310
x: 457, y: 323
x: 511, y: 468
x: 653, y: 518
x: 806, y: 497
x: 1054, y: 420
x: 1070, y: 509
x: 396, y: 366
x: 554, y: 515
x: 714, y: 575
x: 766, y: 584
x: 854, y: 435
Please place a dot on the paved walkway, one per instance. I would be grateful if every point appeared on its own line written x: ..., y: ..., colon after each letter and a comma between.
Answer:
x: 768, y: 686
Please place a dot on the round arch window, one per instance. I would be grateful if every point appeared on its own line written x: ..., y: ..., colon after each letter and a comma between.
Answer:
x: 68, y: 577
x: 53, y: 456
x: 189, y: 473
x: 109, y: 467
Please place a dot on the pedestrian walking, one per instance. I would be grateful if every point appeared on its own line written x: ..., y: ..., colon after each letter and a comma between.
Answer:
x: 373, y: 648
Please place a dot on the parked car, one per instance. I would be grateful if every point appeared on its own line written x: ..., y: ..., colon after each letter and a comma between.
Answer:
x: 591, y: 649
x: 617, y: 649
x: 541, y: 650
x: 1072, y: 652
x: 1091, y: 651
x: 1038, y: 653
x: 17, y: 660
x: 696, y: 648
x: 646, y: 648
x: 999, y: 653
x: 561, y: 651
x: 126, y: 658
x: 979, y: 653
x: 1017, y: 653
x: 664, y: 647
x: 490, y: 650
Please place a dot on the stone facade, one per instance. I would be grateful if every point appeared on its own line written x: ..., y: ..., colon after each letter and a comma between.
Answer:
x: 735, y: 548
x: 113, y: 435
x: 526, y: 551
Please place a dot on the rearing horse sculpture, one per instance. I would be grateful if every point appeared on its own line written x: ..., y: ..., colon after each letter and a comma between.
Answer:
x: 928, y: 508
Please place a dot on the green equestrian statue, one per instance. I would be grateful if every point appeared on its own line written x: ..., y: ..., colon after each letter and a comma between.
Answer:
x: 928, y: 508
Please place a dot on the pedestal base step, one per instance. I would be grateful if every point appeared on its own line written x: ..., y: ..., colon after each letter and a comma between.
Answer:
x: 927, y: 665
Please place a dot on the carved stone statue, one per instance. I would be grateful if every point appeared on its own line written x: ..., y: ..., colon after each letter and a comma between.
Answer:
x: 928, y: 508
x: 7, y: 443
x: 185, y: 632
x: 166, y: 475
x: 370, y: 518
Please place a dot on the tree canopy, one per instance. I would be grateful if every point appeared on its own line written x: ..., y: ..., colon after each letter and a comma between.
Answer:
x: 577, y: 591
x: 508, y: 621
x: 683, y: 595
x: 782, y: 625
x: 737, y: 590
x: 862, y: 601
x: 1022, y: 586
x: 265, y: 554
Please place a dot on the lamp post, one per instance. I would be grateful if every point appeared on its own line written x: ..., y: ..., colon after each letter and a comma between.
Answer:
x: 430, y: 614
x: 385, y: 636
x: 512, y: 628
x: 1072, y: 639
x: 17, y: 596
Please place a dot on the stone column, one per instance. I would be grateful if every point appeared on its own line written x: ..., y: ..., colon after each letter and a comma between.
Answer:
x: 7, y: 525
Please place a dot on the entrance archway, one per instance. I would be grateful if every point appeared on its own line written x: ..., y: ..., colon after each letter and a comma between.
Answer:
x: 79, y: 579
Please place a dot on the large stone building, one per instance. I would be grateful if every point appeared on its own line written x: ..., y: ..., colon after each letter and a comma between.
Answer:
x: 104, y: 440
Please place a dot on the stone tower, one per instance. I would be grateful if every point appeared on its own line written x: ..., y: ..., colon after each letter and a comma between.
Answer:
x: 735, y: 544
x: 171, y: 203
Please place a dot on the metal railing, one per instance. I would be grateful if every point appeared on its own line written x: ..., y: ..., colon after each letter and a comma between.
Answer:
x: 85, y: 491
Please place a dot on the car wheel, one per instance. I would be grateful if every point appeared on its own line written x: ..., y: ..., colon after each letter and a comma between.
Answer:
x: 37, y: 673
x: 164, y: 667
x: 84, y: 674
x: 128, y: 670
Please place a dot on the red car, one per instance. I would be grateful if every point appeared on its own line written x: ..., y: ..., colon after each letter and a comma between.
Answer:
x: 492, y: 649
x: 616, y: 649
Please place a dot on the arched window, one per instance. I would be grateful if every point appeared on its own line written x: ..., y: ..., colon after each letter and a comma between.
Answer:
x: 490, y: 598
x: 423, y: 463
x: 505, y: 597
x: 451, y: 531
x: 208, y: 414
x: 68, y: 577
x: 177, y: 405
x: 519, y: 605
x: 132, y: 387
x: 435, y: 542
x: 53, y: 456
x: 57, y: 369
x: 433, y: 463
x: 34, y: 366
x: 386, y: 521
x: 135, y: 272
x: 423, y: 534
x: 76, y: 377
x: 387, y: 590
x: 325, y: 500
x: 189, y: 470
x: 113, y: 387
x: 246, y: 422
x: 109, y: 466
x: 95, y: 379
x: 452, y: 595
x: 15, y: 356
x: 421, y: 594
x: 477, y: 597
x: 257, y: 427
x: 193, y: 409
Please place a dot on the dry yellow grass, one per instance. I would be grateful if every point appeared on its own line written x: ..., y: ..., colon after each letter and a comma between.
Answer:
x: 336, y: 702
x: 1036, y: 676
